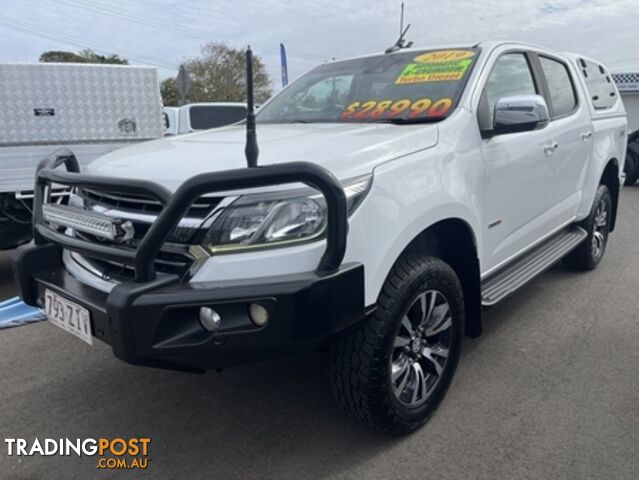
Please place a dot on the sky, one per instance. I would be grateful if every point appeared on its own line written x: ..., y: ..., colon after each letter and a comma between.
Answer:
x: 165, y: 32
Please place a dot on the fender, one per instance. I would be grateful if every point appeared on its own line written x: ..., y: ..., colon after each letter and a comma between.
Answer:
x: 396, y: 201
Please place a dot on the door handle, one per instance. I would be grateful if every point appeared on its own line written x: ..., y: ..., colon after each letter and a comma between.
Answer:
x: 550, y: 148
x: 586, y: 136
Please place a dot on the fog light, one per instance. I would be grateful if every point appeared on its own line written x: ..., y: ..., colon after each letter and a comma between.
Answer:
x: 210, y: 319
x: 258, y: 314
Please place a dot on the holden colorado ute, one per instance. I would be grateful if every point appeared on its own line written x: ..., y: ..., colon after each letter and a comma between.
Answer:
x: 395, y: 196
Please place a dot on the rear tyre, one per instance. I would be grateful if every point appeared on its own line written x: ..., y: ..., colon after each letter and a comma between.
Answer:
x: 392, y: 371
x: 590, y: 252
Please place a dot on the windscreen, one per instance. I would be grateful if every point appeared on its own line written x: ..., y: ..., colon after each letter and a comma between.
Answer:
x: 212, y: 116
x: 400, y: 87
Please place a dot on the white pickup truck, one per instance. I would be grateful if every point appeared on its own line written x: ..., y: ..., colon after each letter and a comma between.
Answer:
x: 395, y: 196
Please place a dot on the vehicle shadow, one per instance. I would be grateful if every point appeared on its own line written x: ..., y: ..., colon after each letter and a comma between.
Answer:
x: 250, y: 421
x: 513, y: 307
x: 5, y: 263
x: 266, y: 419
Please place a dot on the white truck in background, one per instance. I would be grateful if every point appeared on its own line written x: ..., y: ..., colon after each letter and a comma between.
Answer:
x: 91, y: 109
x: 194, y: 117
x: 628, y: 84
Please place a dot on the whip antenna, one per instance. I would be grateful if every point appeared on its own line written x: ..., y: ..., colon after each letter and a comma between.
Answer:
x: 401, y: 42
x: 251, y: 149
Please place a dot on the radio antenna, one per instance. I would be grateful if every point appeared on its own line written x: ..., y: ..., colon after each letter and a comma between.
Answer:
x: 251, y: 149
x: 401, y: 42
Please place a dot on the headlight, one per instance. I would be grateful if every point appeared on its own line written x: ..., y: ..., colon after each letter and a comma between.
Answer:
x: 276, y: 218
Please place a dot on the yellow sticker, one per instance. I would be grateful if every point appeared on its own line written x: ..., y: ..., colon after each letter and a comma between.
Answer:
x: 439, y: 66
x: 442, y: 56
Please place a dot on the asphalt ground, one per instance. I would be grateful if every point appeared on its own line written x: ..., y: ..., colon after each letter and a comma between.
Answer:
x: 550, y: 391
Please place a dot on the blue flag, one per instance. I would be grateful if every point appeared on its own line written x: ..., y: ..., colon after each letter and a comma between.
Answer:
x: 284, y: 65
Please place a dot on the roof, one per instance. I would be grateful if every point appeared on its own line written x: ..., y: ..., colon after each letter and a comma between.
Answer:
x: 217, y: 104
x: 78, y: 64
x: 485, y: 45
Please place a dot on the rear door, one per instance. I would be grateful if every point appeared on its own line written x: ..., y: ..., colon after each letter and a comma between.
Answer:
x: 570, y: 129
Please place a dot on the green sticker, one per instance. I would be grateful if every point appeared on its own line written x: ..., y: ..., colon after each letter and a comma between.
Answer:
x: 433, y: 72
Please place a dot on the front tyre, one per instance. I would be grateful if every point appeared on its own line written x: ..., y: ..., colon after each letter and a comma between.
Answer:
x: 392, y: 371
x: 590, y: 252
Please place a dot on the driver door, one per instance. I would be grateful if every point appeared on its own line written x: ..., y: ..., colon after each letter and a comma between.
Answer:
x: 519, y: 172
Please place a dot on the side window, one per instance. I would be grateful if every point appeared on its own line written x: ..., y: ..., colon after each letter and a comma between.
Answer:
x: 212, y: 116
x: 562, y: 92
x: 601, y: 88
x: 511, y: 75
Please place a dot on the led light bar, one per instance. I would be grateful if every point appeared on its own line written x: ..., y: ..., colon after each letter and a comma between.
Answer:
x: 88, y: 222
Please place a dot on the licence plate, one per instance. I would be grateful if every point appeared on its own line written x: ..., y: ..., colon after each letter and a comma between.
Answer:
x: 68, y: 315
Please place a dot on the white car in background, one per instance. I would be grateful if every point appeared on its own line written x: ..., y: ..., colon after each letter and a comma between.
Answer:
x: 202, y: 116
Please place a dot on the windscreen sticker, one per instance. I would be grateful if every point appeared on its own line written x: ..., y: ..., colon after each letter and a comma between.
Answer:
x: 440, y: 66
x: 443, y: 56
x: 404, y: 108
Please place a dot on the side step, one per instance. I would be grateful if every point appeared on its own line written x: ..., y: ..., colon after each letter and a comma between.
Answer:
x: 529, y: 265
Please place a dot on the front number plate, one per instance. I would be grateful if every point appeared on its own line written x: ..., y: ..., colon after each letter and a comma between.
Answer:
x: 68, y: 315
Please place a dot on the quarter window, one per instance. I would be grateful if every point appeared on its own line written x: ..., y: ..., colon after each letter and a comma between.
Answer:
x: 562, y: 93
x: 601, y: 88
x: 510, y: 76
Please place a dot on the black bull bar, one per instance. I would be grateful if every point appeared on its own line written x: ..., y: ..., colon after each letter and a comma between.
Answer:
x: 176, y: 205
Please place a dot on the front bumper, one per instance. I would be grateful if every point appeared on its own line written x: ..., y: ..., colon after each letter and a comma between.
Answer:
x: 156, y: 323
x: 153, y: 320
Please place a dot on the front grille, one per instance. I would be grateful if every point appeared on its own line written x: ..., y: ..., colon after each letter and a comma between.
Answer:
x: 145, y: 205
x: 173, y: 258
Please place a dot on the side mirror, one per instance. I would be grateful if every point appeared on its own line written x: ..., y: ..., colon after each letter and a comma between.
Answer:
x: 520, y: 113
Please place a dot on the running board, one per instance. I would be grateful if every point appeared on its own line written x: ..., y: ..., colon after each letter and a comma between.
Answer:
x: 502, y: 283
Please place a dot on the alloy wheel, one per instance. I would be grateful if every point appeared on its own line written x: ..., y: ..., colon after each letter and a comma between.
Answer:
x: 600, y: 229
x: 421, y: 348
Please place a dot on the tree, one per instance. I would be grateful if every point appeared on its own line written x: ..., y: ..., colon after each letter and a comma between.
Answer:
x: 219, y: 75
x: 169, y: 92
x: 85, y: 56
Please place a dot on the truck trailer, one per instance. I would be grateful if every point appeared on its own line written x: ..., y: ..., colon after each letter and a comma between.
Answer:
x: 91, y: 109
